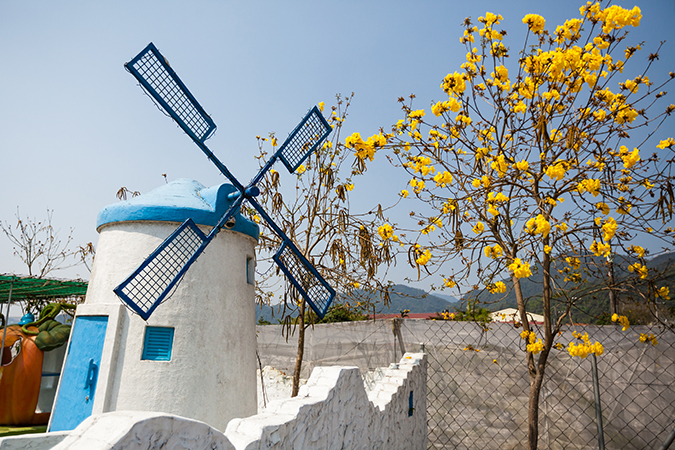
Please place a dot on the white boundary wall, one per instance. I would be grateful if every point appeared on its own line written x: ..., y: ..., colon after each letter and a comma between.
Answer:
x: 332, y: 411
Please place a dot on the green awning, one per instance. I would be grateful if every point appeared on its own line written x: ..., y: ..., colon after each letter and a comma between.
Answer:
x: 28, y: 288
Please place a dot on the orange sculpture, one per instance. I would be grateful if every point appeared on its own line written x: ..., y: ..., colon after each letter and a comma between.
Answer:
x: 20, y: 376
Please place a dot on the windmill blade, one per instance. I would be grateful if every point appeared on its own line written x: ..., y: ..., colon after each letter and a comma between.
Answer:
x: 151, y: 69
x: 304, y: 139
x: 304, y: 277
x: 302, y: 142
x: 300, y: 272
x: 152, y: 281
x: 159, y: 80
x: 145, y: 289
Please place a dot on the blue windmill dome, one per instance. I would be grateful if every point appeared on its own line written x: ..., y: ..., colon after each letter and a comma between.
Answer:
x: 178, y: 201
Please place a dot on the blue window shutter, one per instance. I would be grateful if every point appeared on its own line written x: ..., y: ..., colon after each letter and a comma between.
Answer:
x: 250, y: 270
x: 158, y: 343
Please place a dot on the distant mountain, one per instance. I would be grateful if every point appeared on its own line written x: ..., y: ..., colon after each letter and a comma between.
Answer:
x: 590, y: 308
x: 448, y: 298
x: 268, y: 313
x: 401, y: 297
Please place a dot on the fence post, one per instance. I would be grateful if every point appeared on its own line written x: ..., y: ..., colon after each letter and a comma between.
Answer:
x: 396, y: 328
x: 598, y: 406
x: 668, y: 441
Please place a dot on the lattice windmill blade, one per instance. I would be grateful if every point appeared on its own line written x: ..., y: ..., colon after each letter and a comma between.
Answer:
x: 152, y: 281
x: 300, y: 143
x: 159, y: 80
x: 145, y: 289
x: 300, y: 272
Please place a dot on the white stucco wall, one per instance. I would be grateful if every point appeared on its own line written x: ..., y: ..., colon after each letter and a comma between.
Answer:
x: 212, y: 311
x: 332, y: 411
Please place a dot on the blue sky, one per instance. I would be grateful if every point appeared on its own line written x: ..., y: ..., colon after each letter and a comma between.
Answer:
x: 74, y: 126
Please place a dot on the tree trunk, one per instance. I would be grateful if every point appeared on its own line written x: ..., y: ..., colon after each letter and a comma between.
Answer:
x: 525, y: 323
x: 533, y: 412
x: 536, y: 376
x: 301, y: 350
x: 537, y: 372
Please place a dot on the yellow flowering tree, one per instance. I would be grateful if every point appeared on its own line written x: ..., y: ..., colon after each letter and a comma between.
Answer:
x: 316, y: 214
x: 537, y: 166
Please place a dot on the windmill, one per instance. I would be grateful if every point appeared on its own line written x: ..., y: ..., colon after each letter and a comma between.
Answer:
x: 145, y: 289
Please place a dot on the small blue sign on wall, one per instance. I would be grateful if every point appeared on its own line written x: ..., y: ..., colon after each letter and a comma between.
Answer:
x: 75, y: 400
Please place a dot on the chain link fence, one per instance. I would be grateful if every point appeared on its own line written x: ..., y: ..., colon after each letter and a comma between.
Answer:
x: 478, y: 385
x: 478, y: 389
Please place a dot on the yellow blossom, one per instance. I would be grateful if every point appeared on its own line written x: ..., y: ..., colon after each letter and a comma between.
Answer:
x: 520, y: 107
x: 591, y: 185
x: 478, y: 228
x: 608, y: 229
x: 424, y: 257
x: 623, y: 321
x: 600, y: 249
x: 557, y: 171
x: 443, y: 178
x: 521, y: 165
x: 538, y: 225
x: 585, y: 348
x: 500, y: 165
x: 535, y: 22
x: 417, y: 114
x: 639, y: 269
x: 664, y: 293
x: 454, y: 84
x: 497, y: 288
x: 405, y: 193
x: 494, y: 252
x: 321, y: 106
x: 666, y: 143
x: 535, y: 347
x: 648, y: 338
x: 448, y: 105
x: 468, y: 37
x: 615, y: 18
x: 449, y: 283
x: 417, y: 185
x: 301, y: 169
x: 639, y: 251
x: 603, y: 207
x: 629, y: 159
x: 385, y: 231
x: 520, y: 269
